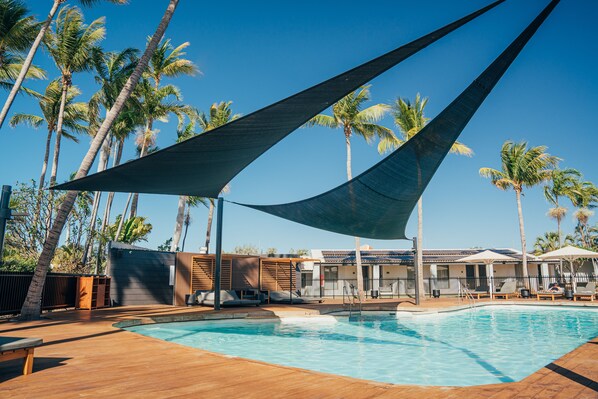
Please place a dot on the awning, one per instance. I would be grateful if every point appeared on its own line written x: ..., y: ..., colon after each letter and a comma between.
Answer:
x: 203, y: 165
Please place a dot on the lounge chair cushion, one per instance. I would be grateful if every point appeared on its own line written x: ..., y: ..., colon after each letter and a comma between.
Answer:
x: 228, y: 298
x: 285, y: 297
x: 15, y: 343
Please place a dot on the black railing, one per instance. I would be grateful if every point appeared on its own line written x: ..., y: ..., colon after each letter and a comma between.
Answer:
x: 60, y: 291
x: 398, y: 287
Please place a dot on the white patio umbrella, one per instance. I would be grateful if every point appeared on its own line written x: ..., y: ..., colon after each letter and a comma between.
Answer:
x: 570, y: 253
x: 488, y: 258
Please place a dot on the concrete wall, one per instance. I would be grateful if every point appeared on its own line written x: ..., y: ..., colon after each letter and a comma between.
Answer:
x: 140, y: 277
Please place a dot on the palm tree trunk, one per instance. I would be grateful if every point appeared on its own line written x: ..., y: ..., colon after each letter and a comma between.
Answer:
x: 32, y: 305
x: 178, y: 227
x: 522, y: 233
x: 142, y: 153
x: 209, y: 228
x: 65, y: 88
x: 122, y: 218
x: 419, y: 272
x: 359, y: 271
x: 186, y: 222
x: 27, y: 63
x: 102, y: 164
x: 42, y: 176
x: 108, y: 208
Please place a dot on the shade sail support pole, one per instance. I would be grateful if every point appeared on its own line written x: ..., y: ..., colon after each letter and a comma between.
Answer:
x: 416, y: 267
x: 218, y: 265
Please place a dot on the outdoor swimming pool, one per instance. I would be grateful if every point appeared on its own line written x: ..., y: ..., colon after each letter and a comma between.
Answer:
x: 483, y: 346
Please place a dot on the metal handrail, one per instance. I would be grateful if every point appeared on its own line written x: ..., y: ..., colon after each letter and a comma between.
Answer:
x: 467, y: 293
x: 351, y: 298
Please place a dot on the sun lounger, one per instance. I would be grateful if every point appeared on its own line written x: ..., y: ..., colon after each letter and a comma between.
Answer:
x: 553, y: 293
x: 480, y: 292
x: 227, y: 298
x: 507, y: 289
x: 19, y: 348
x: 588, y: 292
x: 285, y: 297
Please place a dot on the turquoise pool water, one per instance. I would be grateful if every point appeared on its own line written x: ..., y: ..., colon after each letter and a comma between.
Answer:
x: 472, y: 347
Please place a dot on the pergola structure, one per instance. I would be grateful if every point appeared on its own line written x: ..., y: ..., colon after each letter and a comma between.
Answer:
x: 375, y: 204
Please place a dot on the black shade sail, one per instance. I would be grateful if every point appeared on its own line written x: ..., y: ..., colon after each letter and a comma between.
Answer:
x: 377, y: 203
x: 206, y: 163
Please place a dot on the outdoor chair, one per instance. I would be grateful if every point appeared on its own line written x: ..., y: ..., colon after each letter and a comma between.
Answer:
x: 507, y: 289
x: 19, y: 348
x: 385, y: 291
x: 285, y: 297
x: 555, y: 292
x: 588, y: 292
x: 481, y: 291
x: 227, y: 298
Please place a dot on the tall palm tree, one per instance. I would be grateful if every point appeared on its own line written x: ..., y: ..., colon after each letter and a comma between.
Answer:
x: 156, y: 105
x: 220, y: 114
x: 112, y: 71
x: 71, y: 46
x: 17, y: 32
x: 167, y: 61
x: 31, y: 306
x: 410, y: 119
x: 585, y: 199
x: 521, y: 167
x: 348, y: 114
x: 562, y: 183
x: 29, y: 59
x: 75, y: 113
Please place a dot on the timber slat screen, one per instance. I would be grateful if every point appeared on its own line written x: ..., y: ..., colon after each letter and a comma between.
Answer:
x: 59, y: 291
x: 277, y: 275
x: 202, y: 274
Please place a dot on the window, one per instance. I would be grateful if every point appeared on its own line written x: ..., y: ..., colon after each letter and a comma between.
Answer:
x: 442, y: 273
x: 330, y: 277
x: 306, y: 279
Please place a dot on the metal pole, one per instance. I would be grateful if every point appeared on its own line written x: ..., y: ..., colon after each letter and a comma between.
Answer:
x: 416, y: 267
x: 5, y: 215
x: 218, y: 265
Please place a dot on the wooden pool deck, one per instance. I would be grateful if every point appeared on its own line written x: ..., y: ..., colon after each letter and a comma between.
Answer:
x: 84, y: 355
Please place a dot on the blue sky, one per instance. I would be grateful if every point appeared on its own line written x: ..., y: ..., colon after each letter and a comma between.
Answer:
x: 256, y: 53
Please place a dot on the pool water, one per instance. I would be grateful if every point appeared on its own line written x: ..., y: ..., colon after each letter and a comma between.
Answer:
x: 486, y: 345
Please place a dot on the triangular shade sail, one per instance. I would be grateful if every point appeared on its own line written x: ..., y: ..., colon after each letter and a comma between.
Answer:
x: 377, y: 203
x: 569, y: 253
x: 203, y: 165
x: 486, y: 257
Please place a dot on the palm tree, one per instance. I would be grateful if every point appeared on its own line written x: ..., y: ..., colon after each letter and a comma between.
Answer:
x: 29, y: 59
x: 585, y: 199
x: 521, y: 167
x: 71, y: 47
x: 562, y: 183
x: 133, y: 230
x: 220, y: 114
x: 112, y: 71
x: 550, y: 241
x: 74, y: 114
x: 410, y: 119
x: 348, y: 114
x: 167, y: 61
x: 17, y: 32
x: 31, y: 306
x: 156, y: 105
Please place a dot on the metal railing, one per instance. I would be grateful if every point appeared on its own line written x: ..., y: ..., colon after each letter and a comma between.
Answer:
x: 60, y: 291
x: 350, y: 295
x: 405, y: 287
x: 464, y: 292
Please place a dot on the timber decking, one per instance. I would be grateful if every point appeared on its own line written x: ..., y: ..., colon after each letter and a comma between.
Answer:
x: 84, y: 355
